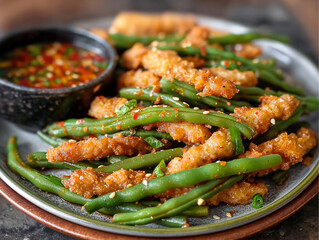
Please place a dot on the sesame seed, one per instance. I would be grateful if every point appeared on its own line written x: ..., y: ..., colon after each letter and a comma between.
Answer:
x: 145, y: 182
x: 151, y: 94
x: 206, y: 112
x: 176, y: 98
x: 228, y: 215
x: 106, y: 135
x: 129, y: 185
x: 200, y: 202
x: 148, y: 174
x: 71, y: 140
x: 100, y: 166
x: 273, y: 121
x: 112, y: 195
x: 49, y: 75
x: 82, y: 208
x: 75, y: 76
x: 196, y: 108
x: 67, y: 72
x: 216, y: 217
x: 59, y: 62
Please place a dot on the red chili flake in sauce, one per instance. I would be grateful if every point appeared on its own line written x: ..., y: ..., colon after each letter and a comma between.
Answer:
x: 85, y: 129
x: 61, y: 124
x: 162, y: 114
x: 135, y: 116
x: 118, y: 127
x: 55, y: 65
x: 222, y: 163
x: 203, y: 51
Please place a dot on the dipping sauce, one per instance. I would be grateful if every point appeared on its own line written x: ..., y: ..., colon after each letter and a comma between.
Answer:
x: 56, y: 65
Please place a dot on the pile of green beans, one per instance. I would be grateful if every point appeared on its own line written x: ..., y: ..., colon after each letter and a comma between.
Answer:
x: 190, y: 92
x: 266, y: 72
x: 121, y: 41
x: 86, y: 126
x: 184, y: 179
x: 53, y: 184
x: 177, y: 205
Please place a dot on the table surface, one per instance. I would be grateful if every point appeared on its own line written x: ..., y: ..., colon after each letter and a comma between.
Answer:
x: 268, y: 15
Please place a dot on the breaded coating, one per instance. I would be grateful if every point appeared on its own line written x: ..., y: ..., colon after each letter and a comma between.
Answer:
x: 142, y: 24
x: 86, y: 182
x: 186, y: 132
x: 290, y: 147
x: 132, y: 58
x: 103, y: 107
x: 272, y: 107
x: 196, y: 60
x: 239, y: 194
x: 139, y: 78
x: 245, y: 79
x: 247, y: 50
x: 217, y: 146
x: 96, y: 148
x: 102, y: 33
x: 169, y: 65
x: 197, y: 37
x: 89, y: 183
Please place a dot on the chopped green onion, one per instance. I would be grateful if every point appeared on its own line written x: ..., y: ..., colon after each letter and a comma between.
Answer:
x: 57, y: 80
x: 280, y: 177
x: 236, y: 140
x: 257, y: 201
x: 155, y: 143
x: 47, y: 83
x: 31, y: 78
x: 68, y: 51
x: 127, y: 107
x: 35, y: 50
x: 101, y: 64
x: 160, y: 169
x: 34, y: 63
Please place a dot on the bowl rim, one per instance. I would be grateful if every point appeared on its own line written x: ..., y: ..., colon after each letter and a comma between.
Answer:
x: 72, y: 31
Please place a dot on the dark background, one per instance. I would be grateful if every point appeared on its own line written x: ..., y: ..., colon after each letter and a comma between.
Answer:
x: 295, y: 18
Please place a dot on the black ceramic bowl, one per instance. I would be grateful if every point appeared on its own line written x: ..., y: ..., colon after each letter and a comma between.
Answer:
x: 34, y: 108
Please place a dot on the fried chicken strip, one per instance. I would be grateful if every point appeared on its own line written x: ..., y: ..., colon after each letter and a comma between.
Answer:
x: 142, y: 24
x: 245, y: 79
x: 247, y: 50
x: 272, y: 107
x: 139, y: 78
x: 169, y: 65
x: 240, y: 193
x: 182, y: 131
x: 103, y: 107
x: 290, y: 147
x: 95, y: 148
x: 89, y: 183
x: 217, y: 146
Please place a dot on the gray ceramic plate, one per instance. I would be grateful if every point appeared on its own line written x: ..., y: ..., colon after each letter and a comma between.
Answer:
x: 292, y: 62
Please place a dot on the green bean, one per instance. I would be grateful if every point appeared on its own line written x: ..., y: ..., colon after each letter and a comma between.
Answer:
x: 53, y: 184
x: 85, y: 127
x: 54, y: 142
x: 190, y: 92
x: 145, y: 94
x: 184, y: 179
x: 147, y: 160
x: 175, y: 205
x: 128, y: 106
x: 114, y: 159
x: 153, y: 142
x: 236, y: 140
x: 141, y: 133
x: 274, y: 130
x: 246, y: 37
x: 124, y: 42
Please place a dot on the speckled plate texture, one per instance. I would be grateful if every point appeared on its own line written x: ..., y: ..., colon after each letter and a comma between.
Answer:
x: 298, y: 67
